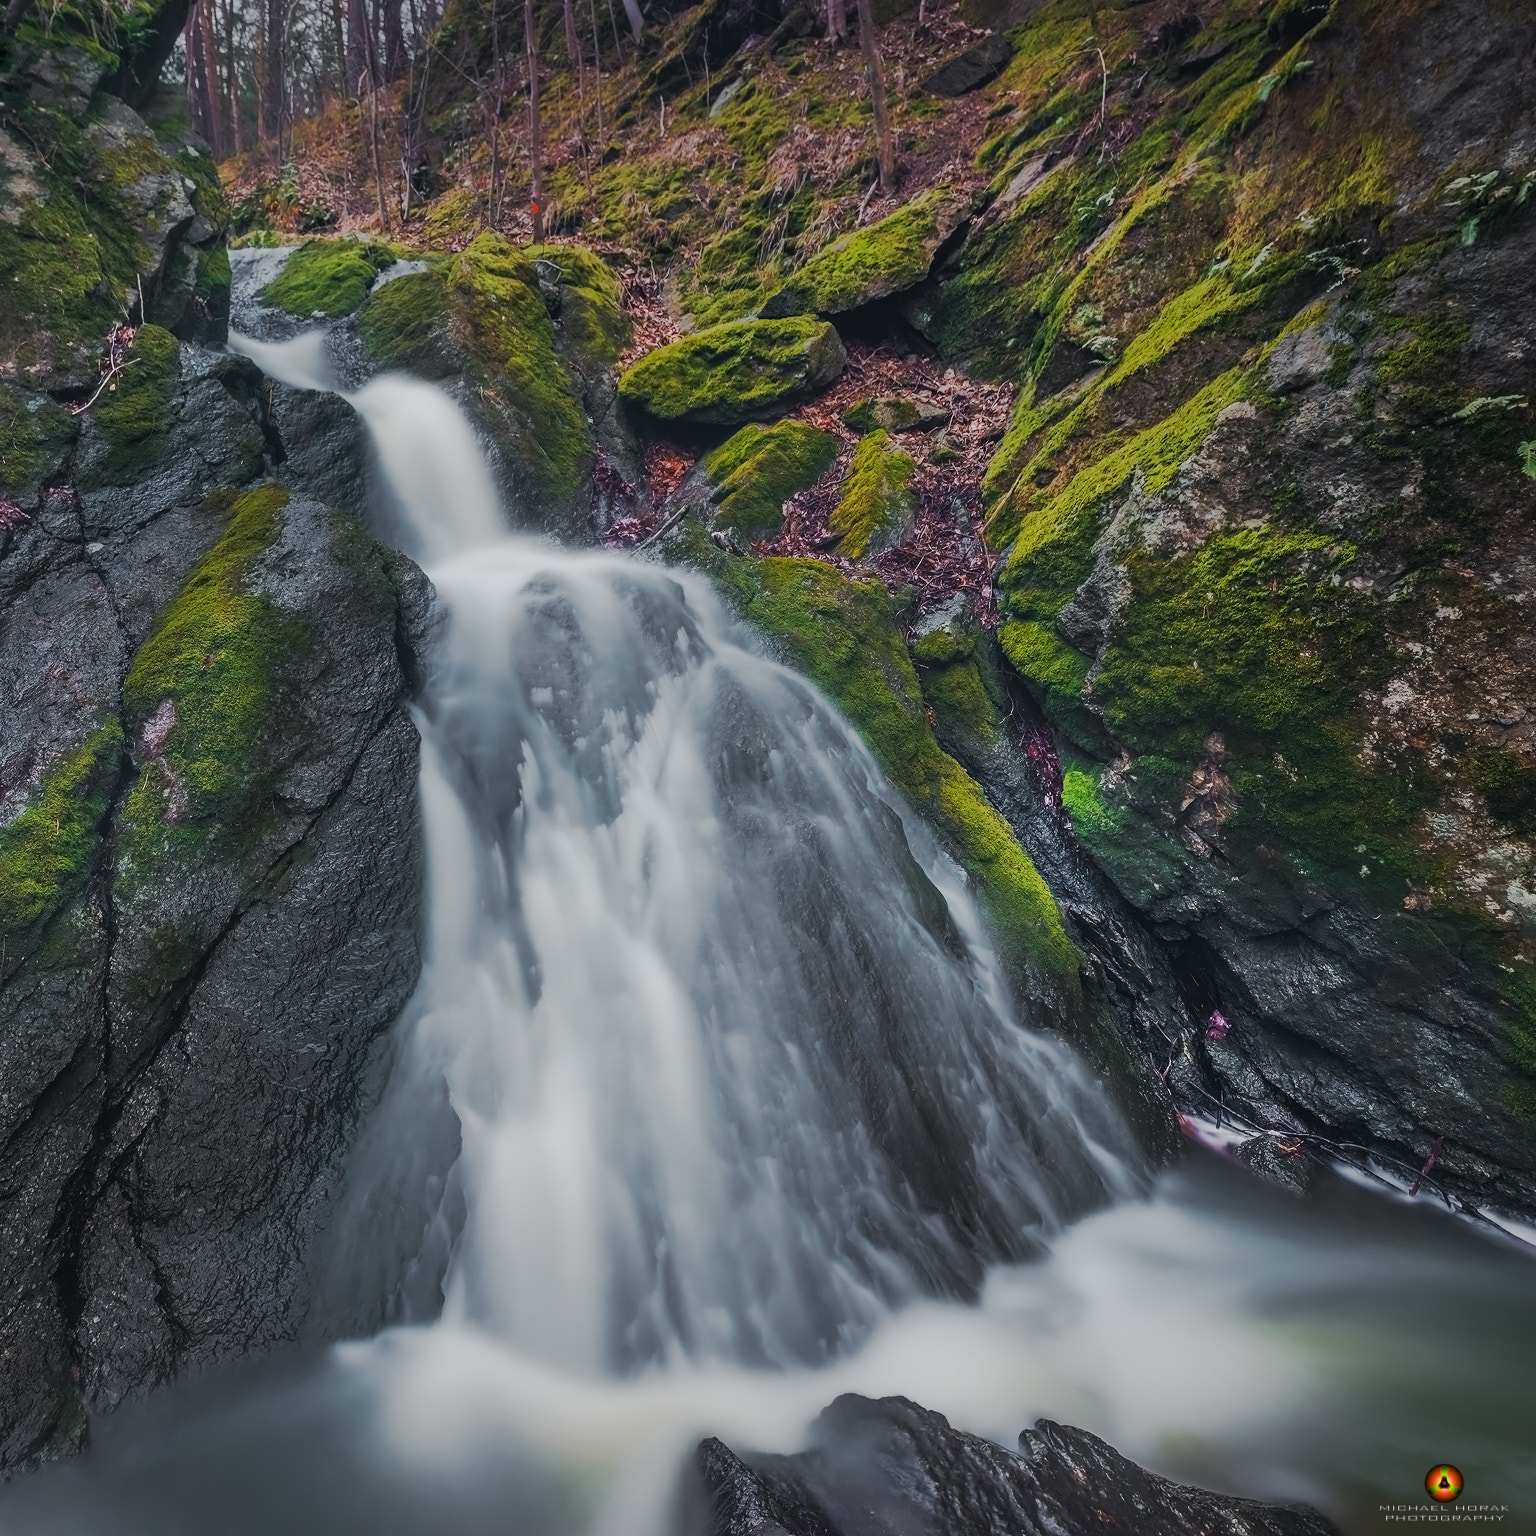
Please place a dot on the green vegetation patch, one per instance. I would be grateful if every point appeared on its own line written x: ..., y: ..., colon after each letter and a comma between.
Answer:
x: 869, y: 264
x: 756, y: 471
x: 201, y: 688
x: 845, y: 637
x: 135, y: 414
x: 500, y: 315
x: 328, y: 277
x: 34, y: 435
x: 878, y: 503
x: 400, y: 319
x: 592, y: 319
x: 47, y: 852
x: 732, y: 373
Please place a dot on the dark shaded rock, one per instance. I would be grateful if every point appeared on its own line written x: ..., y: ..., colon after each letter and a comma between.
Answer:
x: 967, y: 71
x: 876, y: 1467
x: 188, y: 1039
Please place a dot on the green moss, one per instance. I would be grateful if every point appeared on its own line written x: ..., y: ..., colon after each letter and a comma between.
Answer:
x: 959, y: 697
x: 843, y: 635
x: 592, y: 319
x: 214, y: 653
x: 214, y: 280
x: 328, y: 277
x: 884, y: 258
x: 1092, y: 818
x: 136, y: 413
x: 893, y: 415
x: 1507, y: 781
x: 399, y: 321
x: 208, y: 194
x: 735, y: 372
x: 877, y: 501
x: 1056, y: 530
x: 498, y: 312
x: 760, y: 468
x: 34, y: 435
x: 47, y: 852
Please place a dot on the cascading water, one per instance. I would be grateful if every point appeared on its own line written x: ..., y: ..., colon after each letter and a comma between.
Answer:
x: 745, y: 1122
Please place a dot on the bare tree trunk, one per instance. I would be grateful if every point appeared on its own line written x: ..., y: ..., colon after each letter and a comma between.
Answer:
x: 597, y: 69
x: 232, y: 78
x: 378, y: 163
x: 636, y: 20
x: 535, y: 142
x: 358, y: 72
x: 884, y: 148
x: 573, y: 47
x: 393, y: 39
x: 213, y: 103
x: 493, y: 122
x: 837, y: 20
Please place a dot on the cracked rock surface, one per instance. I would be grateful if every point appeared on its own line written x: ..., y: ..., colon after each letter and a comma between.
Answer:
x: 187, y: 1044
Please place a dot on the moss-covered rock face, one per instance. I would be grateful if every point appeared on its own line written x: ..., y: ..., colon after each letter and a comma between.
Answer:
x: 735, y: 373
x: 486, y: 313
x: 877, y: 505
x: 200, y: 689
x: 868, y: 264
x: 845, y: 636
x: 135, y: 414
x: 328, y: 278
x: 35, y: 436
x: 48, y: 852
x: 1259, y: 506
x: 755, y: 472
x: 94, y: 209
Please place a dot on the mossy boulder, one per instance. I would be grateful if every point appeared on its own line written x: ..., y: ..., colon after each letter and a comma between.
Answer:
x: 482, y: 317
x: 878, y: 504
x: 868, y: 264
x: 752, y: 474
x: 888, y: 414
x: 35, y: 437
x: 137, y: 409
x: 328, y: 277
x: 734, y: 373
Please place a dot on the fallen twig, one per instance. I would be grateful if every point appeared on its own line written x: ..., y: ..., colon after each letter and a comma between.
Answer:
x: 106, y: 378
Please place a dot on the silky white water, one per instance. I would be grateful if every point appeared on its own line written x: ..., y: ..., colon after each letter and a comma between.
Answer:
x: 744, y: 1120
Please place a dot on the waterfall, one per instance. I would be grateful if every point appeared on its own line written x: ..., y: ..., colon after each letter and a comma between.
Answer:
x: 744, y: 1121
x: 733, y: 1062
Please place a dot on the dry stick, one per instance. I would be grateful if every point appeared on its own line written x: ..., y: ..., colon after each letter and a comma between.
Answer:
x: 106, y: 378
x: 535, y: 146
x: 883, y: 147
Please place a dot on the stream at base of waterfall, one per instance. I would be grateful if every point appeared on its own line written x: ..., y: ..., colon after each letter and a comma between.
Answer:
x: 712, y: 1105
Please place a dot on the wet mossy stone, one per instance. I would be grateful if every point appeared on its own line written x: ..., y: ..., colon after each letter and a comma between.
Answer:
x: 893, y: 415
x: 135, y: 414
x: 878, y: 503
x: 869, y: 264
x: 755, y: 472
x: 735, y: 373
x: 845, y: 637
x: 47, y: 852
x: 328, y: 277
x: 35, y: 437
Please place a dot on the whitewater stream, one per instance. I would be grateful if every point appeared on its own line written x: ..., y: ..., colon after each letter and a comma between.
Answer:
x: 746, y: 1120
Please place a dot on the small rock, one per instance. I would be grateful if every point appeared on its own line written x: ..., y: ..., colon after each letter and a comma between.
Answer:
x: 1265, y: 1156
x: 726, y: 97
x: 894, y: 415
x: 975, y: 67
x: 1301, y: 359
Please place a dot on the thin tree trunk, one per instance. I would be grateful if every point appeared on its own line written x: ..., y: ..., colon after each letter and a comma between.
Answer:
x: 573, y: 47
x: 597, y: 70
x: 378, y: 164
x: 837, y: 20
x: 636, y: 20
x: 393, y: 39
x: 358, y: 73
x: 338, y: 23
x: 885, y: 150
x: 232, y: 78
x: 493, y: 125
x: 535, y: 143
x: 212, y: 95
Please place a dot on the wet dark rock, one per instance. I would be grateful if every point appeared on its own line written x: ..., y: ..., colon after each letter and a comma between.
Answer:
x: 186, y: 1046
x: 967, y: 71
x: 876, y: 1467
